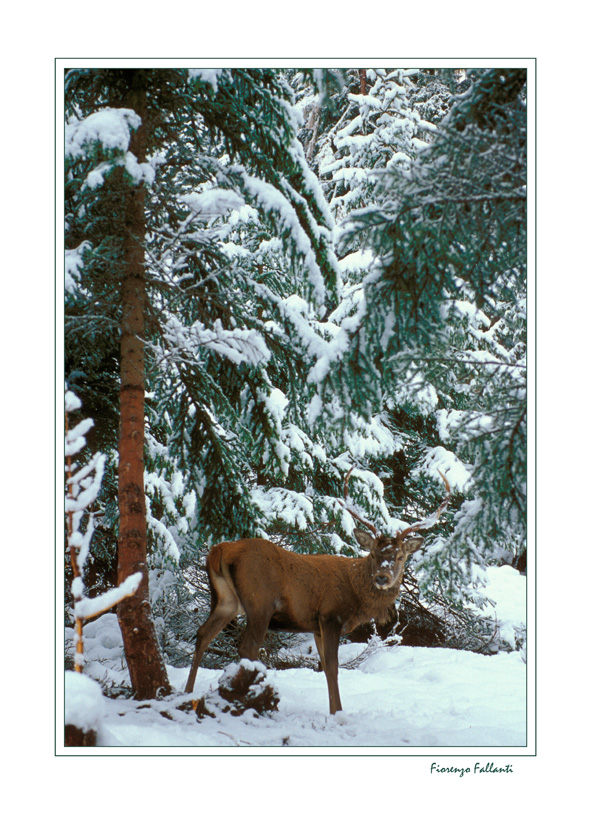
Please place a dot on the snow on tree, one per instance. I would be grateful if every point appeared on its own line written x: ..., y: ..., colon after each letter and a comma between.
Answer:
x: 82, y: 487
x: 378, y: 129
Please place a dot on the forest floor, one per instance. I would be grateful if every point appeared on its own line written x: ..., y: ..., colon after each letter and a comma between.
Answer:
x: 396, y: 697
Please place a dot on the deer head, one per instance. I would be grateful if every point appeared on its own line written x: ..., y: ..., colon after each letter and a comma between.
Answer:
x: 388, y: 554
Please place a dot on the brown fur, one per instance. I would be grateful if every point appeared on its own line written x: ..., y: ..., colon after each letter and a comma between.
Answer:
x: 326, y: 595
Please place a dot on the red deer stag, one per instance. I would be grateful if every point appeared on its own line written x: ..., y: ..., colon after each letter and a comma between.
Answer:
x: 327, y: 595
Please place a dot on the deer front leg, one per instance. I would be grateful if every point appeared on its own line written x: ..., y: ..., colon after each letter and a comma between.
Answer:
x: 328, y: 649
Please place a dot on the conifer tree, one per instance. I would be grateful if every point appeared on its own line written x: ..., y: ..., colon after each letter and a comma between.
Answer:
x: 196, y: 231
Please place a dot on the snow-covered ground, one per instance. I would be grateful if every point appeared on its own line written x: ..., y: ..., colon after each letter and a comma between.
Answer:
x: 398, y: 697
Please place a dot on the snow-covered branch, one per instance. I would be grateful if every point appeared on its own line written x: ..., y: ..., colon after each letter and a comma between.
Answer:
x: 83, y: 485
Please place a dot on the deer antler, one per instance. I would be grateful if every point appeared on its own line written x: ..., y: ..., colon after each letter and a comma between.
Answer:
x: 426, y: 523
x: 371, y: 527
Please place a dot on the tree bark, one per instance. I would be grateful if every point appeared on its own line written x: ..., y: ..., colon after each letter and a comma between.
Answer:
x: 363, y: 81
x: 142, y: 652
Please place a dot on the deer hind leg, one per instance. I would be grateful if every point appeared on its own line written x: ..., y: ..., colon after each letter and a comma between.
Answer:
x: 328, y: 648
x: 227, y: 606
x: 257, y: 625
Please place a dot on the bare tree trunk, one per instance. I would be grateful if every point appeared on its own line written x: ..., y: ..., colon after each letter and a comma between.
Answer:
x: 142, y: 652
x: 363, y: 81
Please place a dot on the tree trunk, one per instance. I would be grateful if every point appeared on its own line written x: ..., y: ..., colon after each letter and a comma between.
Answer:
x: 363, y: 81
x: 142, y: 652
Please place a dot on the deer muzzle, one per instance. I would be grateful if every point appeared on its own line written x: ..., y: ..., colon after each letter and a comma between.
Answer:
x: 383, y: 580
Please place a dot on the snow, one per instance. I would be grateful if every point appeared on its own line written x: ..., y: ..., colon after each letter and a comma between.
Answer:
x: 209, y: 75
x: 75, y: 440
x: 336, y: 348
x: 278, y: 503
x: 111, y: 127
x: 73, y: 263
x: 84, y: 701
x: 213, y: 203
x: 276, y: 403
x: 440, y: 460
x: 412, y: 388
x: 395, y: 698
x: 91, y: 606
x: 421, y: 697
x: 240, y: 345
x: 274, y: 203
x: 506, y: 590
x: 354, y: 261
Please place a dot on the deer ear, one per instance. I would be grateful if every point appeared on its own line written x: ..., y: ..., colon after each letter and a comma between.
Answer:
x: 364, y: 538
x: 411, y: 545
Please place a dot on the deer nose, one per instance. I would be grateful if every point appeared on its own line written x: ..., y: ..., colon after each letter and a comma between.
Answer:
x: 381, y: 580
